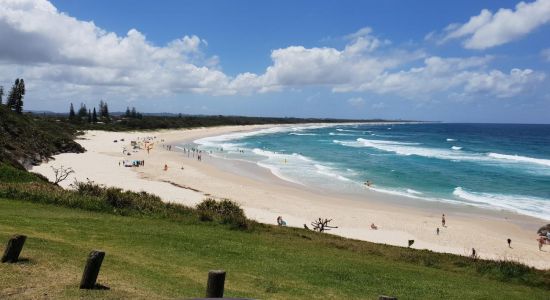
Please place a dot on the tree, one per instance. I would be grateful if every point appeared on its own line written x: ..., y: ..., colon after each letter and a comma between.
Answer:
x: 12, y: 96
x: 94, y: 116
x: 72, y: 115
x: 82, y: 111
x: 134, y: 112
x: 61, y: 173
x: 20, y: 95
x: 103, y: 110
x: 90, y: 116
x: 1, y: 94
x: 127, y: 111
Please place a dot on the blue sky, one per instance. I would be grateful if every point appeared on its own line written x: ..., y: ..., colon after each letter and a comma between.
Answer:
x: 459, y: 61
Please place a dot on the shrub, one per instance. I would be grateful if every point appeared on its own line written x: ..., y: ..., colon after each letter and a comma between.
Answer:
x: 224, y: 211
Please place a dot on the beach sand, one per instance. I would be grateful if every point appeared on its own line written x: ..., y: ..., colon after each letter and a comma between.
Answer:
x: 264, y: 196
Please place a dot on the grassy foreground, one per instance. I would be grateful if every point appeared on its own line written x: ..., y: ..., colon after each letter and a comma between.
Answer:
x: 161, y: 258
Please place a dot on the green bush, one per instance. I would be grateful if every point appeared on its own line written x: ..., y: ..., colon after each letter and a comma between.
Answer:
x: 224, y: 211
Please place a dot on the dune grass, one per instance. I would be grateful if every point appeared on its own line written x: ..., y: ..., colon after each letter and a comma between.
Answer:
x: 162, y: 258
x: 159, y: 250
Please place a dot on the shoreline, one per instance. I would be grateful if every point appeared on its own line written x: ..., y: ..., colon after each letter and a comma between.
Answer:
x: 265, y: 196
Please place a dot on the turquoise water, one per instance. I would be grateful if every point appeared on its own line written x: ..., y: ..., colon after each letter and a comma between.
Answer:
x: 495, y: 166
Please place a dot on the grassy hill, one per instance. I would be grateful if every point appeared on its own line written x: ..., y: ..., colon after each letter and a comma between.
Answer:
x: 27, y: 139
x: 160, y: 251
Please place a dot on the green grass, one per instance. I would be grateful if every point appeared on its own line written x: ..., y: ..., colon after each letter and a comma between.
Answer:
x: 162, y: 258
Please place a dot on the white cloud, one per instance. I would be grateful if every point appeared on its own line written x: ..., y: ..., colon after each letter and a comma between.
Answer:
x: 488, y: 30
x: 66, y: 58
x: 456, y: 75
x: 50, y: 46
x: 356, y: 101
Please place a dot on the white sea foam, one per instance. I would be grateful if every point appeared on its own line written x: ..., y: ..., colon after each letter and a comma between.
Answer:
x: 414, y: 192
x: 296, y: 167
x: 532, y: 206
x: 403, y: 148
x: 451, y: 140
x: 340, y: 134
x: 297, y: 133
x: 347, y: 130
x: 456, y: 147
x: 518, y: 158
x: 219, y: 140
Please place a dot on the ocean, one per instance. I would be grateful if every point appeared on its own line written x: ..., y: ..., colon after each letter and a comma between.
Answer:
x: 493, y: 166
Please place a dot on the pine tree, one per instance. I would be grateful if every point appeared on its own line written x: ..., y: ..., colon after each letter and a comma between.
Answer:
x: 127, y: 112
x: 82, y: 111
x: 103, y: 110
x: 134, y: 112
x: 94, y: 116
x: 20, y: 95
x: 72, y: 115
x: 1, y: 94
x: 90, y: 116
x: 12, y: 97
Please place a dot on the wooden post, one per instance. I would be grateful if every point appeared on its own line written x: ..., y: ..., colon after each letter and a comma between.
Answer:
x: 382, y: 297
x: 13, y: 249
x: 216, y: 281
x: 91, y: 271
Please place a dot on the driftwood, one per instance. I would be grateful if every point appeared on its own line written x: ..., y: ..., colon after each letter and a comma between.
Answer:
x: 321, y: 225
x: 13, y: 249
x: 216, y: 281
x: 91, y: 270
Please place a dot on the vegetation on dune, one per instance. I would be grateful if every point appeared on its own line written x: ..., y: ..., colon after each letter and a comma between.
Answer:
x: 163, y: 250
x: 150, y: 257
x: 26, y: 139
x: 152, y: 244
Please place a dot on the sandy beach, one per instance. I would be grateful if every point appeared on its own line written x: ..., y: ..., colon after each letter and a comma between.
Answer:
x: 264, y: 197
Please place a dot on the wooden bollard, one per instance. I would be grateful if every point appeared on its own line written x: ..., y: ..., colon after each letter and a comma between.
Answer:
x: 216, y: 281
x: 382, y: 297
x: 91, y: 271
x: 13, y: 249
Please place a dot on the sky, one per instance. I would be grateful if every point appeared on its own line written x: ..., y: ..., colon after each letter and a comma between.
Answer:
x: 453, y: 61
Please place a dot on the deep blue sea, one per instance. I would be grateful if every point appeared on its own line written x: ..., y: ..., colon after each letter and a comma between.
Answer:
x: 495, y: 166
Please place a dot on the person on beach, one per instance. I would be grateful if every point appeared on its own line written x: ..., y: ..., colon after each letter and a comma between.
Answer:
x: 542, y: 241
x: 437, y: 231
x: 373, y: 227
x: 165, y: 167
x: 509, y: 242
x: 280, y: 221
x: 474, y: 253
x: 443, y: 220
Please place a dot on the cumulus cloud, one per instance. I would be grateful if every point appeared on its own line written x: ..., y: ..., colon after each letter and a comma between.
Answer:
x: 66, y: 57
x: 454, y: 75
x: 55, y: 47
x: 488, y: 30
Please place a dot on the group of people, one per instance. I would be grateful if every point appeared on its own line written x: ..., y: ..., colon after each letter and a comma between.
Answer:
x: 193, y: 152
x: 543, y: 239
x: 133, y: 163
